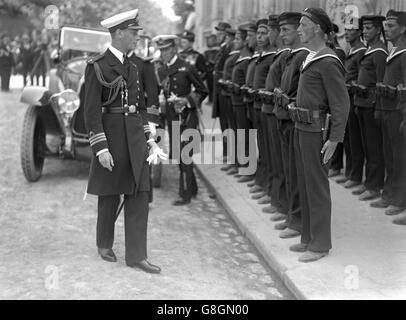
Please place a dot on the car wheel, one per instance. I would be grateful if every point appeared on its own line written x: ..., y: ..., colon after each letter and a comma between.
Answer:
x: 156, y: 175
x: 32, y: 148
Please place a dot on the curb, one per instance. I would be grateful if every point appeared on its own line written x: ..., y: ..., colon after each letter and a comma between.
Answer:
x: 251, y: 226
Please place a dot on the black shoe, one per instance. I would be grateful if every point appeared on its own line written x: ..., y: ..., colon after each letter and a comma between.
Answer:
x: 107, y: 254
x: 147, y: 267
x: 180, y: 202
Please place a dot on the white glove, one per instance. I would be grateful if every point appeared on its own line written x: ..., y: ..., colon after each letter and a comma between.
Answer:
x: 152, y: 128
x: 157, y: 153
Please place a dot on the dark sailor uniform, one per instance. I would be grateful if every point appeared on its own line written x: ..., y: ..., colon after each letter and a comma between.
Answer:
x: 354, y: 164
x: 264, y: 165
x: 115, y: 117
x: 321, y: 90
x: 284, y: 96
x: 372, y: 70
x: 277, y: 176
x: 391, y: 101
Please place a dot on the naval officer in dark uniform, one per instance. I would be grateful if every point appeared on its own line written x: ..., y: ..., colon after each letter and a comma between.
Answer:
x: 119, y: 135
x: 191, y: 56
x: 178, y: 78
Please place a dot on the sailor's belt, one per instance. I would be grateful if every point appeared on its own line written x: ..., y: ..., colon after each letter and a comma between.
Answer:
x: 267, y: 97
x: 302, y: 115
x: 236, y: 89
x: 364, y: 92
x: 282, y: 100
x: 386, y: 91
x: 124, y: 110
x: 229, y: 86
x: 350, y: 88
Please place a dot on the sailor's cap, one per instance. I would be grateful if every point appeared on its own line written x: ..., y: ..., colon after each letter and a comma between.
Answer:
x: 124, y: 20
x: 165, y: 41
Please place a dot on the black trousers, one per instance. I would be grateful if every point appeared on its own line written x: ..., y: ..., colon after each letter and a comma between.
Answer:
x: 187, y: 179
x: 290, y: 160
x: 261, y: 173
x: 392, y: 146
x: 371, y: 131
x: 356, y: 145
x: 227, y: 121
x: 315, y: 198
x: 276, y: 184
x: 401, y: 200
x: 136, y: 210
x: 242, y: 123
x: 210, y: 84
x: 231, y: 124
x: 5, y: 75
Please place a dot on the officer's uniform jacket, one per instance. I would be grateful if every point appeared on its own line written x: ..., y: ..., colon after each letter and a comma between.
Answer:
x: 273, y: 80
x: 372, y: 71
x: 238, y: 77
x: 179, y: 79
x: 151, y: 87
x: 262, y: 65
x: 290, y: 79
x: 322, y: 89
x: 196, y: 59
x: 125, y: 136
x: 228, y: 70
x: 395, y: 74
x: 218, y: 74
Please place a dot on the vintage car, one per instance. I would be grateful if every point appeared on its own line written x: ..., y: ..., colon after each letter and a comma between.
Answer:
x: 54, y: 121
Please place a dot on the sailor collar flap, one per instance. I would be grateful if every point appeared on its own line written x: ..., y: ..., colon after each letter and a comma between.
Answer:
x: 325, y: 53
x: 352, y: 52
x: 255, y: 56
x: 234, y: 52
x: 266, y: 53
x: 371, y: 51
x: 395, y: 53
x: 299, y: 49
x: 281, y: 51
x: 241, y: 59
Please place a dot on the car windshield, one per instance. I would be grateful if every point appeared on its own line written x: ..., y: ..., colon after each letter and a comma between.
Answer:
x: 83, y: 40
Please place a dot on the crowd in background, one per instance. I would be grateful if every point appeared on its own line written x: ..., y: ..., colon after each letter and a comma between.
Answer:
x: 26, y: 54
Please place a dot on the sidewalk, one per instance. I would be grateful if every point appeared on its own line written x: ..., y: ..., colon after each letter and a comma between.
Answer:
x: 368, y: 259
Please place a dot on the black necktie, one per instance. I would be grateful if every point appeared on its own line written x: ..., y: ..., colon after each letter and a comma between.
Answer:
x: 126, y: 64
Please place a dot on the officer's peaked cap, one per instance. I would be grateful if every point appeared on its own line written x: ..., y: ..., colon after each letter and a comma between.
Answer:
x: 165, y: 41
x: 222, y: 26
x: 124, y: 20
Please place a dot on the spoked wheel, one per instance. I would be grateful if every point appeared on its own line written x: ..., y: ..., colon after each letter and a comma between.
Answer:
x: 33, y: 145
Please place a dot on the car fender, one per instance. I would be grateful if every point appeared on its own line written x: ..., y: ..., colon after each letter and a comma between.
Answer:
x: 35, y: 95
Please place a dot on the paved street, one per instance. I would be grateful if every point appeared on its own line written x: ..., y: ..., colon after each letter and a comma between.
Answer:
x: 47, y: 238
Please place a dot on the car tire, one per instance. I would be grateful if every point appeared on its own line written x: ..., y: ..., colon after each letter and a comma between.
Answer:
x: 156, y: 175
x: 32, y: 147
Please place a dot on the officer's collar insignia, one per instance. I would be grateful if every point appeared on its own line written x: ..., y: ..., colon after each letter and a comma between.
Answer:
x: 182, y: 69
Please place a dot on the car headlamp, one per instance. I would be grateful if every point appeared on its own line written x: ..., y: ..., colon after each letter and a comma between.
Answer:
x: 68, y: 102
